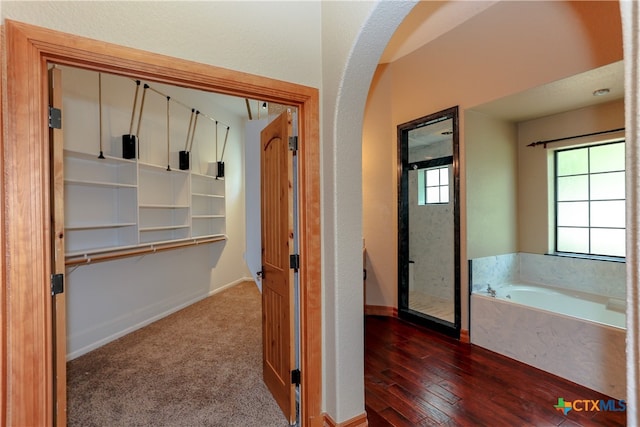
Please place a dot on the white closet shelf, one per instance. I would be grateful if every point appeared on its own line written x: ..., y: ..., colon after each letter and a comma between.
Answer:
x: 218, y: 196
x: 97, y: 226
x: 163, y: 227
x: 162, y: 206
x: 94, y: 157
x: 98, y: 183
x: 206, y: 216
x: 202, y: 175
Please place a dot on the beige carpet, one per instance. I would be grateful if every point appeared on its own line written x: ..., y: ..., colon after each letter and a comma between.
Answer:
x: 201, y: 366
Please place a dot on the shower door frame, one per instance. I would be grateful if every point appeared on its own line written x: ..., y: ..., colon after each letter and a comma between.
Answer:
x: 404, y: 312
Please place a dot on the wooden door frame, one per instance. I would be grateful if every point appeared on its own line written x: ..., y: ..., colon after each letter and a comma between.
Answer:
x: 27, y: 387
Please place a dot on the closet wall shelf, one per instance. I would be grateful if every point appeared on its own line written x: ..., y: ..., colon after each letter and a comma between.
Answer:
x: 162, y: 206
x: 94, y: 157
x: 98, y: 183
x: 97, y: 226
x: 216, y: 196
x: 163, y: 227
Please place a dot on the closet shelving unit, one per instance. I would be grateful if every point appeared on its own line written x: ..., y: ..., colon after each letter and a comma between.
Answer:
x: 100, y: 199
x: 119, y: 207
x: 164, y: 204
x: 207, y: 205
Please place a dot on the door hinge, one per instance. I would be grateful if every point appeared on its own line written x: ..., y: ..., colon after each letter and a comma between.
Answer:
x: 294, y: 262
x: 55, y: 118
x: 295, y: 377
x: 293, y: 143
x: 57, y: 284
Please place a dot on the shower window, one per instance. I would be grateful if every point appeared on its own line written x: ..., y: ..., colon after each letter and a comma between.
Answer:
x: 433, y: 186
x: 590, y: 200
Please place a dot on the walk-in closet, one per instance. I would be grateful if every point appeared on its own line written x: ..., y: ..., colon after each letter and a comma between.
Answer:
x: 152, y: 178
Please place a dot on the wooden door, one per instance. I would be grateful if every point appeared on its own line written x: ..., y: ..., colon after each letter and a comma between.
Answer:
x: 276, y: 162
x: 56, y: 142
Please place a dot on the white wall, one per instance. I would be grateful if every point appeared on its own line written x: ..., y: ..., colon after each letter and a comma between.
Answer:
x: 492, y: 184
x: 278, y: 39
x: 379, y: 180
x: 253, y: 250
x: 354, y: 36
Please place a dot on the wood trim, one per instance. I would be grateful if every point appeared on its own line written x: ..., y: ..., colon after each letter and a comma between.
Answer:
x: 464, y: 336
x: 380, y: 310
x: 27, y: 212
x: 357, y: 421
x: 310, y: 257
x: 3, y: 297
x: 59, y: 310
x: 27, y: 230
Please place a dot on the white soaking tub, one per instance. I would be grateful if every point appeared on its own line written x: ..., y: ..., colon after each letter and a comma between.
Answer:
x: 580, y: 337
x: 603, y: 310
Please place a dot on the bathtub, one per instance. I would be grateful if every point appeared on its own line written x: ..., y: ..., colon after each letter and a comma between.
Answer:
x: 579, y: 337
x: 593, y: 308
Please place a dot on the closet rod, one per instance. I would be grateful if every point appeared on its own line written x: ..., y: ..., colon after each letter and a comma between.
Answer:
x: 550, y: 141
x: 151, y: 248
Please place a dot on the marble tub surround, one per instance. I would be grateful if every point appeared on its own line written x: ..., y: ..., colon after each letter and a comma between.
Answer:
x: 586, y: 353
x: 605, y: 278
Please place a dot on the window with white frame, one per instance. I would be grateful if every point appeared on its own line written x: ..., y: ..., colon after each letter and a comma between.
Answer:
x: 433, y: 185
x: 590, y: 200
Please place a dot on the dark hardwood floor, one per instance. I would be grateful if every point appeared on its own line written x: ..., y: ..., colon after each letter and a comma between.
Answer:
x: 416, y: 377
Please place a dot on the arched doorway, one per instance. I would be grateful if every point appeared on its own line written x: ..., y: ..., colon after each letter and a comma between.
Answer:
x: 630, y: 16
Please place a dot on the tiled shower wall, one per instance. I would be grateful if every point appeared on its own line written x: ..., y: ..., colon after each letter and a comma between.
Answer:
x: 431, y: 244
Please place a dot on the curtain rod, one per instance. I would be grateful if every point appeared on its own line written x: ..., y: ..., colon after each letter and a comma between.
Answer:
x: 549, y: 141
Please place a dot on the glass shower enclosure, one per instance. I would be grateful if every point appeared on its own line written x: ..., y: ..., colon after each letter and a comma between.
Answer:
x: 428, y: 215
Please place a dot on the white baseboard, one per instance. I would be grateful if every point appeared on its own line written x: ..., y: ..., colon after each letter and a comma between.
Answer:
x: 230, y: 285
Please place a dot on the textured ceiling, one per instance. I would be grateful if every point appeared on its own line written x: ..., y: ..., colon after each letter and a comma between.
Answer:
x: 563, y: 95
